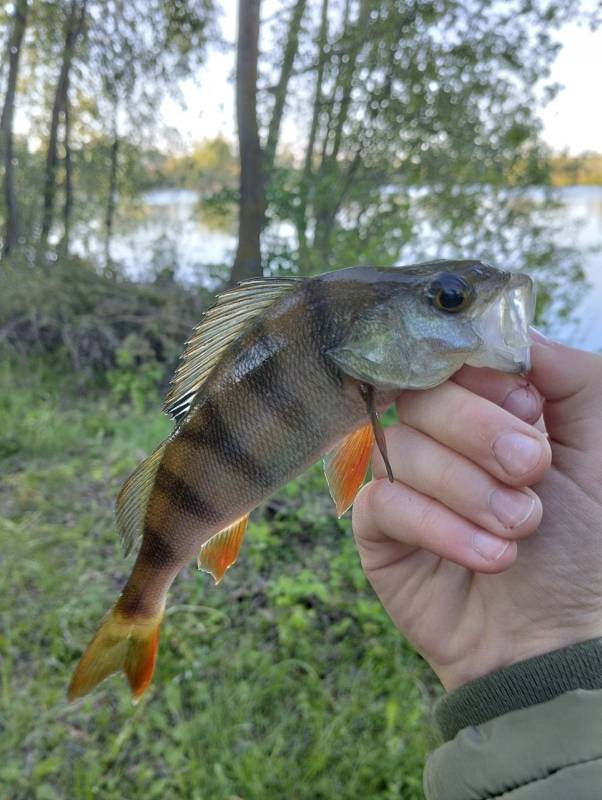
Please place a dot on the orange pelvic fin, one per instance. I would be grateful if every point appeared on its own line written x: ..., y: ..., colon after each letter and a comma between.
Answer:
x: 345, y: 467
x: 221, y: 551
x: 120, y: 644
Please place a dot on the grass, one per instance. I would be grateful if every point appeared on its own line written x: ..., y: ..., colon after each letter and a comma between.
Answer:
x: 287, y: 680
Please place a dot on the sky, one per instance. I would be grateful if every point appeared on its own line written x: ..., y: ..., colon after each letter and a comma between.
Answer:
x: 572, y: 121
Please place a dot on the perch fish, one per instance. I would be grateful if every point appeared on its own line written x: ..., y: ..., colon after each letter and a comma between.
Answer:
x: 278, y: 373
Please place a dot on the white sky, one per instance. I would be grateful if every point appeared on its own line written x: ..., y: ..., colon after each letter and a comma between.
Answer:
x: 572, y: 121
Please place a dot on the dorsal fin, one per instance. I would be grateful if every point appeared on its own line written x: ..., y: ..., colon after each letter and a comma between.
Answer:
x: 220, y: 326
x: 132, y: 500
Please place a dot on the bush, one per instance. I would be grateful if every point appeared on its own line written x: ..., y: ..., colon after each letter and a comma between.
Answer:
x: 66, y: 306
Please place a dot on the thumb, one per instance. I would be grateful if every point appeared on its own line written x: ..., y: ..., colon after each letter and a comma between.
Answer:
x: 569, y: 379
x: 561, y: 372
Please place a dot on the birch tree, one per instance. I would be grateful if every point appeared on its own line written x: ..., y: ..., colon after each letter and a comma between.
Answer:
x: 11, y: 234
x: 74, y: 27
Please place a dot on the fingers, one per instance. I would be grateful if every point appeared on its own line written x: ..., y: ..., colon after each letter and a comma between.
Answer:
x: 513, y: 393
x: 571, y: 381
x: 461, y: 456
x: 515, y: 453
x: 434, y: 470
x: 391, y: 520
x: 561, y: 372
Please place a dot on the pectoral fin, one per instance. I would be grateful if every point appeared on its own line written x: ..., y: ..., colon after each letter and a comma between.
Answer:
x: 221, y: 551
x: 346, y: 466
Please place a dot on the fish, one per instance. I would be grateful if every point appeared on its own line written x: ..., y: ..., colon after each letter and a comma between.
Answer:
x: 279, y: 373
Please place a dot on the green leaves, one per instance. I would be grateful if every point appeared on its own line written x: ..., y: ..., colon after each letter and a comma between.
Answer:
x: 424, y: 115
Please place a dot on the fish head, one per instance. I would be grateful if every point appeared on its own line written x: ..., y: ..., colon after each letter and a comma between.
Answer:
x: 434, y: 318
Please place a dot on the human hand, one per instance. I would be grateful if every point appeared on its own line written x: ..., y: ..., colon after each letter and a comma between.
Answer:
x: 469, y: 604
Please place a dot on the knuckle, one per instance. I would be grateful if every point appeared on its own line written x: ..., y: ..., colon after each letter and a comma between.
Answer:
x: 368, y: 506
x: 427, y: 516
x: 447, y: 479
x: 380, y: 499
x: 360, y: 514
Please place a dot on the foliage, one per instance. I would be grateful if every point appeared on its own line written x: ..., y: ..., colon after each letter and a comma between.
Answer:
x: 136, y: 374
x: 582, y: 170
x: 210, y: 167
x: 409, y: 109
x: 67, y: 306
x: 411, y: 121
x: 118, y: 73
x: 287, y: 680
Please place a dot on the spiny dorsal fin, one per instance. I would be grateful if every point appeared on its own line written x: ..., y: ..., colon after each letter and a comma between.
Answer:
x: 221, y: 551
x: 345, y: 467
x: 133, y: 499
x: 220, y: 326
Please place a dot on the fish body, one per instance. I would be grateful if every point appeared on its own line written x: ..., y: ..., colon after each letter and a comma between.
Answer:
x: 279, y: 373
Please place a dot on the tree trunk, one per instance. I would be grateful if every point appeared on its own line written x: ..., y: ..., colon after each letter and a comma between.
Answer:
x: 288, y: 60
x: 68, y: 175
x: 247, y: 263
x: 11, y: 235
x: 112, y: 193
x: 73, y: 29
x: 325, y: 215
x: 327, y: 204
x: 311, y: 143
x: 345, y: 78
x: 327, y: 106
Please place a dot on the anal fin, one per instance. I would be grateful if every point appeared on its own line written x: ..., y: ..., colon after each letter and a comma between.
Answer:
x: 221, y: 551
x: 345, y: 467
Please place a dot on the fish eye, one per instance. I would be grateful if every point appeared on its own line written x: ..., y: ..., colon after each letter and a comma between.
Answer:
x: 450, y: 293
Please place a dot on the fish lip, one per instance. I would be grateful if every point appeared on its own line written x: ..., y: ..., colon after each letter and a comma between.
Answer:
x: 504, y: 327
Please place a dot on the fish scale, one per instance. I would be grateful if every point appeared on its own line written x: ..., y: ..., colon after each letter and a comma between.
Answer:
x: 278, y: 373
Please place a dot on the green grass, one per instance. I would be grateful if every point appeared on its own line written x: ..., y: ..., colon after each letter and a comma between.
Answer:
x: 286, y: 681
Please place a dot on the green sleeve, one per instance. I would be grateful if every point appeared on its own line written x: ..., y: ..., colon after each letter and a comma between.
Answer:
x: 526, y: 683
x: 530, y: 731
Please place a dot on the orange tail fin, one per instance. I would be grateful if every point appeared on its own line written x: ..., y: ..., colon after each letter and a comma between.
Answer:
x: 121, y: 643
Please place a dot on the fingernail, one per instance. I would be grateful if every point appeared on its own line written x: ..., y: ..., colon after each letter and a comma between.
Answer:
x: 489, y: 547
x: 511, y: 508
x: 517, y: 454
x: 521, y: 402
x: 538, y: 336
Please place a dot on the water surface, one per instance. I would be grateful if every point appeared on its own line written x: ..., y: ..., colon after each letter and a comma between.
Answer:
x: 173, y: 234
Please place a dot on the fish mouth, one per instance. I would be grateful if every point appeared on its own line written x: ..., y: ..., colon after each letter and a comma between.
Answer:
x: 504, y: 328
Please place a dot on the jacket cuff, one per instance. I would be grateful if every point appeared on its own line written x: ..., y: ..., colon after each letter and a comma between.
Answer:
x: 519, y: 685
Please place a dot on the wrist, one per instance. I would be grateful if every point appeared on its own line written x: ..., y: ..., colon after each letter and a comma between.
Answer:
x: 522, y: 684
x: 486, y: 657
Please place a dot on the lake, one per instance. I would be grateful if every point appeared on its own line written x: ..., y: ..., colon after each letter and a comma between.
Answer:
x: 172, y: 231
x: 580, y: 225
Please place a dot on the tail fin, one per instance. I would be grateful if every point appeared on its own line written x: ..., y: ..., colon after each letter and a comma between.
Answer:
x: 121, y: 643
